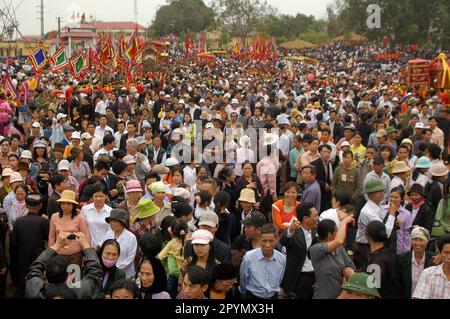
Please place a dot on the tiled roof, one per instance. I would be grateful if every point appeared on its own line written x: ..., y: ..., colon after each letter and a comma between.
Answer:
x: 128, y: 25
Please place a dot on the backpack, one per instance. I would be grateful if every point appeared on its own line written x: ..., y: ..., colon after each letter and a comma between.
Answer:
x: 441, y: 225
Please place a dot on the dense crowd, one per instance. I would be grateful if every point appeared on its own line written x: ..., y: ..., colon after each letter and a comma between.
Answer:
x: 227, y: 181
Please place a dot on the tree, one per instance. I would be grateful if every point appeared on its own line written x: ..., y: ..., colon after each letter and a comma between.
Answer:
x: 241, y: 17
x: 177, y: 16
x: 404, y: 22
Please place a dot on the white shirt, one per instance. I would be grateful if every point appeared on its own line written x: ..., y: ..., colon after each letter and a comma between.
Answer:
x: 189, y: 176
x: 128, y: 248
x: 100, y: 108
x: 101, y: 152
x: 307, y: 266
x: 330, y: 214
x: 96, y: 142
x: 371, y: 212
x: 100, y: 132
x: 422, y: 179
x: 284, y: 144
x: 243, y: 154
x: 96, y: 223
x: 118, y: 136
x: 156, y: 153
x: 396, y: 182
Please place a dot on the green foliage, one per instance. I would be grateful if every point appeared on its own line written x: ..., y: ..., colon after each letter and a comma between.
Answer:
x: 315, y: 37
x: 180, y: 15
x: 241, y: 17
x: 404, y: 22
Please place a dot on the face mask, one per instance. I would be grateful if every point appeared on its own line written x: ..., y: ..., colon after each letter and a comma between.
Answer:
x: 108, y: 263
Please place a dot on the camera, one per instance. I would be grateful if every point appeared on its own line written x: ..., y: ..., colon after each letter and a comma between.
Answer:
x: 71, y: 237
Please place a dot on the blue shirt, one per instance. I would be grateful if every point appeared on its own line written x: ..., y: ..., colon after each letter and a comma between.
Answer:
x: 312, y: 194
x: 262, y: 277
x: 293, y: 154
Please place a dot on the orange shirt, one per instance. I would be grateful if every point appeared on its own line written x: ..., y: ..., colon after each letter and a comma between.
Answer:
x: 281, y: 219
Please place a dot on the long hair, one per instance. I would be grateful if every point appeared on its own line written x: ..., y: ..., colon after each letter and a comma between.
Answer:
x: 160, y: 281
x: 211, y: 261
x: 74, y: 211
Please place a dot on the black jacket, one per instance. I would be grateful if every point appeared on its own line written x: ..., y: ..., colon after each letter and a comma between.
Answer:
x: 151, y: 154
x: 36, y: 284
x: 424, y: 217
x: 296, y: 252
x: 29, y: 235
x: 322, y: 179
x: 53, y: 206
x: 221, y: 250
x: 385, y: 260
x: 433, y: 194
x: 404, y: 268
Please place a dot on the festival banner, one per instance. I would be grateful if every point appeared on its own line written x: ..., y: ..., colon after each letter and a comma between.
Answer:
x: 59, y: 59
x: 38, y: 59
x: 386, y: 56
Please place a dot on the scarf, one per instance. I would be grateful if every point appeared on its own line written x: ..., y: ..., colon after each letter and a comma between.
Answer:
x: 416, y: 203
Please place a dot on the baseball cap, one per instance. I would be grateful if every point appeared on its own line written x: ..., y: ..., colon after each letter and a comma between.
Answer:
x: 254, y: 219
x: 381, y: 133
x: 86, y: 136
x: 36, y: 125
x: 209, y: 218
x: 202, y: 237
x: 76, y: 135
x: 61, y: 116
x: 420, y: 125
x: 26, y: 155
x: 63, y: 165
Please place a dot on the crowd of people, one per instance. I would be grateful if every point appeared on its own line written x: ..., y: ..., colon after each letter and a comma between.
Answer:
x: 227, y: 181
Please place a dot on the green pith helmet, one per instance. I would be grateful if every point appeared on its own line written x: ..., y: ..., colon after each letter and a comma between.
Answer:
x: 373, y: 186
x: 361, y: 282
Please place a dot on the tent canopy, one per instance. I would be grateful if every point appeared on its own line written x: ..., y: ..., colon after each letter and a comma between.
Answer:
x: 296, y: 44
x: 353, y: 37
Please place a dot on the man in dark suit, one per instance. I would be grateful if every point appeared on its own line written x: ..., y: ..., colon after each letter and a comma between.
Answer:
x: 131, y: 128
x: 411, y: 264
x: 156, y: 153
x: 28, y: 240
x: 324, y: 175
x: 299, y: 276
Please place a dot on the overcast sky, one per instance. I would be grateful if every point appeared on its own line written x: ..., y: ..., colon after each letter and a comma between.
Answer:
x: 122, y: 10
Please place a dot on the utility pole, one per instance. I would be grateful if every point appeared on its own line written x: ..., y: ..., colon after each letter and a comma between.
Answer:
x: 41, y: 17
x: 135, y: 12
x: 59, y: 27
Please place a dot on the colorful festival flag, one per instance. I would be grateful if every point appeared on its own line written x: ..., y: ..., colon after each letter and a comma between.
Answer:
x: 132, y: 47
x: 59, y: 59
x: 38, y: 59
x: 77, y: 65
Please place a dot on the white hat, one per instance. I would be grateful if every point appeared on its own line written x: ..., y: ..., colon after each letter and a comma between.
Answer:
x: 129, y: 159
x: 270, y: 139
x: 63, y: 165
x: 26, y: 155
x: 420, y: 125
x: 15, y: 177
x: 182, y: 192
x: 245, y: 141
x: 209, y: 126
x: 284, y: 121
x: 181, y: 101
x: 61, y: 96
x: 86, y: 136
x: 395, y: 99
x: 202, y: 101
x: 61, y: 116
x: 167, y: 96
x: 234, y: 101
x: 171, y: 162
x: 76, y: 135
x: 345, y: 143
x: 82, y: 95
x: 202, y: 237
x: 36, y: 125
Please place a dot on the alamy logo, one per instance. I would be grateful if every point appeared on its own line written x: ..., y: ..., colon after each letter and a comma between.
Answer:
x: 74, y: 278
x: 374, y: 18
x: 374, y: 280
